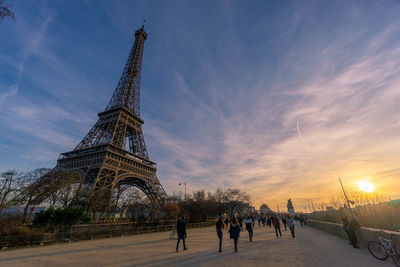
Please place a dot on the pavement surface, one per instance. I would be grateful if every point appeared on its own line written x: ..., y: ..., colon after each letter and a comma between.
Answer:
x: 310, y: 248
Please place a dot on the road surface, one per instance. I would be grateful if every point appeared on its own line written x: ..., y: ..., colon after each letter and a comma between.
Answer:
x: 311, y: 247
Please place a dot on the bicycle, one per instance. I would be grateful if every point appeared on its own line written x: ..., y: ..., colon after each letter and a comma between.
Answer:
x: 383, y: 248
x: 173, y: 233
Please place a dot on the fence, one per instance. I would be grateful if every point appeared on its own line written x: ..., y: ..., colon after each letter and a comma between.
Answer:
x: 84, y: 232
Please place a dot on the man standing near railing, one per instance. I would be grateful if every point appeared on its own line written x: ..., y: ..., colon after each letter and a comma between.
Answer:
x: 350, y: 228
x: 181, y: 230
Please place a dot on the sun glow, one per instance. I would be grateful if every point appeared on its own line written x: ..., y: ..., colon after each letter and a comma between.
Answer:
x: 366, y: 186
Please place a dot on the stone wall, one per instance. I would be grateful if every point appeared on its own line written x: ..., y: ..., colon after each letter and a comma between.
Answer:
x: 364, y: 234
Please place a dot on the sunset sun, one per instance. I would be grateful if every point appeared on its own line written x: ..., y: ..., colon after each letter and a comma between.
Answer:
x: 366, y: 186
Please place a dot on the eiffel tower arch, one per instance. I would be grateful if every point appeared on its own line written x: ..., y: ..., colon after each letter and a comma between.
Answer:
x: 114, y: 151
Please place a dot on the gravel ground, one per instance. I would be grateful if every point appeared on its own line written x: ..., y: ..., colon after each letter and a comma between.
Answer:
x: 311, y: 247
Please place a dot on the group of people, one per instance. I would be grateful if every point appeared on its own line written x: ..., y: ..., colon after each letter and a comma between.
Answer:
x: 273, y: 220
x: 236, y: 226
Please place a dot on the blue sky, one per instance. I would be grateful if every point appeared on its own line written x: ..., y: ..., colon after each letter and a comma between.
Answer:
x: 278, y: 98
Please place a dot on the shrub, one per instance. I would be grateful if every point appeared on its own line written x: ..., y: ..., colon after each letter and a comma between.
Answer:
x: 14, y: 233
x: 59, y: 219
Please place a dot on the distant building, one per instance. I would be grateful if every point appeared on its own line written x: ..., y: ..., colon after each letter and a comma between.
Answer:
x: 264, y: 210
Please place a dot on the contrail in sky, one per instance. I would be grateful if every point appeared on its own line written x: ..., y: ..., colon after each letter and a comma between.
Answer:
x: 301, y: 137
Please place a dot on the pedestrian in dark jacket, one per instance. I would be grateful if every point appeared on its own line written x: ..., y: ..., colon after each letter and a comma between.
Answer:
x: 269, y: 221
x: 181, y: 230
x: 220, y: 225
x: 234, y: 231
x: 249, y: 227
x: 284, y: 221
x: 240, y: 220
x: 277, y: 225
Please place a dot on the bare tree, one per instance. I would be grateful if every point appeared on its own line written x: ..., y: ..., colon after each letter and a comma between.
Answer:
x: 10, y: 189
x: 27, y: 180
x: 235, y: 200
x: 58, y: 189
x: 120, y: 196
x: 5, y: 11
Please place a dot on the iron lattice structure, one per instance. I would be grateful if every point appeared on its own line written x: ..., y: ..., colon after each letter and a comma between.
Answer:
x: 114, y: 151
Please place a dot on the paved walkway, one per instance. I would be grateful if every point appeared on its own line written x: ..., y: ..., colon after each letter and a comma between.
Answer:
x: 310, y: 248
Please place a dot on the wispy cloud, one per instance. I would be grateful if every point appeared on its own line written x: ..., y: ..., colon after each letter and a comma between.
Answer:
x: 278, y: 100
x: 259, y: 146
x: 7, y: 94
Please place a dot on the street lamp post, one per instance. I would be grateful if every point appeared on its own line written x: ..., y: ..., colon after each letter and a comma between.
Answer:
x: 184, y: 183
x: 345, y: 196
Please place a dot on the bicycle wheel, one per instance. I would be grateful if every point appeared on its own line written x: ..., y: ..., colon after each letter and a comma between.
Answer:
x: 396, y: 258
x: 172, y: 235
x: 377, y: 250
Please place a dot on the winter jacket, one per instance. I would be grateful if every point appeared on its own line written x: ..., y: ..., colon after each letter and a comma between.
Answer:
x: 249, y: 224
x: 275, y: 221
x: 219, y: 225
x: 181, y: 226
x: 234, y: 230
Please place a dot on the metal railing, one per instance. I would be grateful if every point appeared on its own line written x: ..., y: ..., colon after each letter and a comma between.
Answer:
x: 94, y: 232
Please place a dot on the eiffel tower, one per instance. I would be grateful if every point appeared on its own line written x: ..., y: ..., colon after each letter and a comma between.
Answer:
x: 114, y: 152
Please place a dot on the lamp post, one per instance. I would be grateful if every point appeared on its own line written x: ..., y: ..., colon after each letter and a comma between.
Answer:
x: 345, y: 196
x: 184, y: 183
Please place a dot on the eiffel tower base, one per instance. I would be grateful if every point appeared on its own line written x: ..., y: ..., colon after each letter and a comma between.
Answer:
x: 106, y: 168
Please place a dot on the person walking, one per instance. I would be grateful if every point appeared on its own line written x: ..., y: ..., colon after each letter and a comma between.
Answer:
x: 284, y: 221
x: 220, y: 225
x: 249, y: 227
x: 277, y: 225
x: 234, y: 231
x: 301, y: 219
x: 226, y: 220
x: 269, y: 221
x: 181, y: 230
x: 350, y: 228
x: 240, y: 220
x: 290, y: 224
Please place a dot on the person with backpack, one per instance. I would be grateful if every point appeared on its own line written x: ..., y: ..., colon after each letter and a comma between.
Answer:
x: 234, y: 231
x: 249, y: 227
x: 220, y: 225
x: 290, y: 224
x: 181, y: 230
